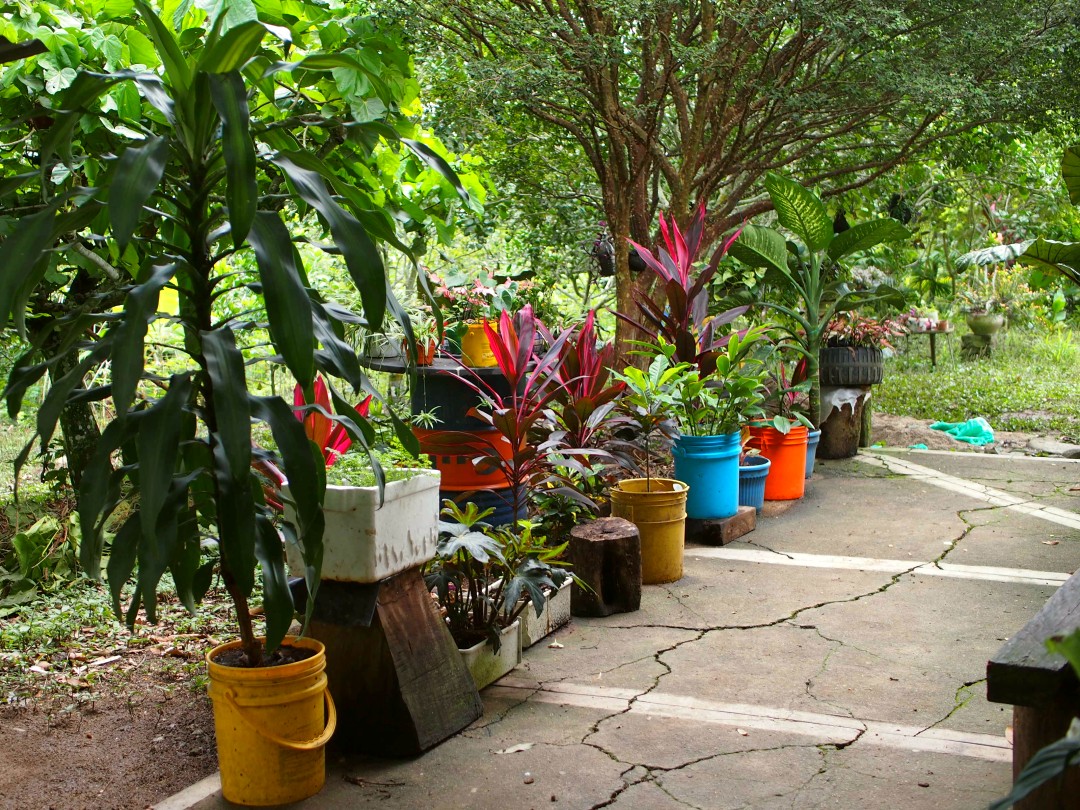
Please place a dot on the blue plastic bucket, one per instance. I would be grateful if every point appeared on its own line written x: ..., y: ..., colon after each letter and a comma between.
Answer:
x: 501, y: 500
x: 710, y: 466
x: 811, y: 451
x: 752, y: 474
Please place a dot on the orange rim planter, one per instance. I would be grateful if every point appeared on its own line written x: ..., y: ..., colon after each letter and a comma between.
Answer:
x: 453, y: 451
x: 787, y: 453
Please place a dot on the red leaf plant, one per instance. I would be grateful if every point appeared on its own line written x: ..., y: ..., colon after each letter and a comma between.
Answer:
x: 678, y: 308
x: 328, y: 433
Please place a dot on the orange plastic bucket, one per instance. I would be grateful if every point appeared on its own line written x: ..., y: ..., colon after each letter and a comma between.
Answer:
x: 787, y: 453
x: 454, y: 452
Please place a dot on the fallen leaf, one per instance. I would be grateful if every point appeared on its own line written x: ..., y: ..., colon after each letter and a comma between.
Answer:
x: 1050, y: 542
x: 516, y: 749
x: 742, y: 732
x: 39, y: 670
x: 1009, y: 735
x: 100, y: 662
x: 555, y: 645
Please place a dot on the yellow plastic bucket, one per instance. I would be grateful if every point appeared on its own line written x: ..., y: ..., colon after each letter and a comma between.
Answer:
x: 271, y: 726
x: 657, y: 506
x: 475, y: 349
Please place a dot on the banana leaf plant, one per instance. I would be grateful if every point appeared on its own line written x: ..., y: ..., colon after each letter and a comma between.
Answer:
x: 678, y: 308
x: 809, y: 272
x: 208, y: 177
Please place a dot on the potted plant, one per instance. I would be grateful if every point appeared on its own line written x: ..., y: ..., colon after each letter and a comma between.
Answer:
x: 484, y: 578
x: 753, y: 472
x: 809, y: 274
x: 183, y: 204
x: 783, y: 436
x: 711, y: 411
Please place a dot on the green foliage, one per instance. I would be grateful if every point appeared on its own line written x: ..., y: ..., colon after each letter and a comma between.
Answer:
x: 486, y: 577
x: 43, y: 557
x: 1024, y: 386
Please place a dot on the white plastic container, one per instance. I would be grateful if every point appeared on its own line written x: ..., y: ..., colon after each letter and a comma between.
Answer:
x: 367, y: 543
x: 554, y: 614
x: 486, y: 666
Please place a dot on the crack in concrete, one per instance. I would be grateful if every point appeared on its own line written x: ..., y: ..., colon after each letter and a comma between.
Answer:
x: 767, y: 548
x: 961, y: 698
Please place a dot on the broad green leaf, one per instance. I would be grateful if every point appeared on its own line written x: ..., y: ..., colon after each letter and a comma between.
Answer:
x: 129, y: 336
x: 865, y: 235
x: 98, y: 480
x: 21, y: 255
x: 159, y: 441
x: 362, y: 258
x: 241, y: 189
x: 1070, y: 173
x: 998, y: 254
x: 228, y: 13
x: 177, y: 71
x: 757, y: 246
x: 287, y: 304
x: 125, y: 546
x: 56, y: 399
x: 228, y: 399
x: 234, y: 49
x: 439, y: 164
x: 138, y: 172
x: 235, y: 520
x: 800, y: 211
x: 1062, y: 256
x: 277, y: 598
x: 15, y: 182
x: 185, y: 567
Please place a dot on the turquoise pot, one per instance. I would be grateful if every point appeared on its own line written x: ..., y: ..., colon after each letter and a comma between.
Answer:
x: 811, y: 451
x: 752, y: 474
x: 710, y: 466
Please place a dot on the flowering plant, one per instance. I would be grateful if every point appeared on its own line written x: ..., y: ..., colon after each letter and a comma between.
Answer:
x: 479, y: 299
x: 852, y: 330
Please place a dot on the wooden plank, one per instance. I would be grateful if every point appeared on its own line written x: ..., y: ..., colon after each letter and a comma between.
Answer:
x: 1033, y: 729
x: 400, y: 685
x: 722, y: 531
x: 1023, y: 672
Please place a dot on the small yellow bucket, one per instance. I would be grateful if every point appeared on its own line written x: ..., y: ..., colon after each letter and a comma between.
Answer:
x: 657, y: 506
x: 475, y: 349
x: 271, y: 726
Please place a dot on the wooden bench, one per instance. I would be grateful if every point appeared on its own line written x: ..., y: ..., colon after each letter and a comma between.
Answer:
x: 1043, y: 690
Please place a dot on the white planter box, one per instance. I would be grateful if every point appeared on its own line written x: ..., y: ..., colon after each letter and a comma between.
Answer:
x: 555, y: 614
x: 365, y: 543
x: 486, y: 666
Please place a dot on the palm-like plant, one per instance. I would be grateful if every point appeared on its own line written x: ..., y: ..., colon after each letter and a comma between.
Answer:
x: 811, y: 272
x: 202, y: 183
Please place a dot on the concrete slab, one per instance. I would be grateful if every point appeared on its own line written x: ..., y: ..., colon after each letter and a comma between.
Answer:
x: 1004, y: 537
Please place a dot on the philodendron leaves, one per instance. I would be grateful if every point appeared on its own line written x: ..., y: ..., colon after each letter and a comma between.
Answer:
x: 866, y: 235
x: 800, y: 211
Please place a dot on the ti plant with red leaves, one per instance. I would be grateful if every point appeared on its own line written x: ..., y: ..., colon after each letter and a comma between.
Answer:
x: 678, y: 309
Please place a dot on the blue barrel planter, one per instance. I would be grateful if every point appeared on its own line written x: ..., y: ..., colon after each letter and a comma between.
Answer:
x: 710, y: 466
x: 752, y: 474
x: 811, y: 451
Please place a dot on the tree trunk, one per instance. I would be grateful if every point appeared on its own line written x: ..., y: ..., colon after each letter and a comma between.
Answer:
x: 78, y: 427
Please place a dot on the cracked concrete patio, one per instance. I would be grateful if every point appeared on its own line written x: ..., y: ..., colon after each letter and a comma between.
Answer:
x: 817, y: 681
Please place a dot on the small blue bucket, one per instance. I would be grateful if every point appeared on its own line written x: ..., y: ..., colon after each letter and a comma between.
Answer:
x: 501, y: 500
x: 811, y: 451
x: 710, y: 466
x: 752, y: 474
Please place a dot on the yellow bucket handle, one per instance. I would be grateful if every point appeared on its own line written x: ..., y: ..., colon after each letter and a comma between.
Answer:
x: 295, y: 745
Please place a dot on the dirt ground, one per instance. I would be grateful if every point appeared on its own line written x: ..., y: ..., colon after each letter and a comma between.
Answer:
x: 138, y: 737
x: 904, y: 431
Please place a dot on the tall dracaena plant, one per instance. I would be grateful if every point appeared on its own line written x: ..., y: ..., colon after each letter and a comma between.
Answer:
x: 810, y: 272
x: 202, y: 184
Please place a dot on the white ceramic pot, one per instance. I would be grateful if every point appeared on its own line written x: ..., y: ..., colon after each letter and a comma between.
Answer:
x: 364, y: 542
x: 487, y: 666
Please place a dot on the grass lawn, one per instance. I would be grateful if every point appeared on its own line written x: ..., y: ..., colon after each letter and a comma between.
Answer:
x: 1030, y: 384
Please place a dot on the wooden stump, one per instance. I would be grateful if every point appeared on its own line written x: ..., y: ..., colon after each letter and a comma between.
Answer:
x: 867, y: 429
x: 606, y: 556
x: 398, y: 679
x: 972, y: 347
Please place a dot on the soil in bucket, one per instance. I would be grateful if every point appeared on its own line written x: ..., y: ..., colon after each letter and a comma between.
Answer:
x: 657, y: 506
x: 272, y: 725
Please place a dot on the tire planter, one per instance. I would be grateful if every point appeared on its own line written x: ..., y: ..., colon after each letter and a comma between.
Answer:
x: 811, y: 451
x: 752, y: 474
x: 365, y: 542
x: 487, y: 666
x: 986, y: 324
x: 657, y: 507
x: 840, y: 432
x: 709, y: 466
x: 786, y: 480
x: 850, y: 366
x: 271, y: 726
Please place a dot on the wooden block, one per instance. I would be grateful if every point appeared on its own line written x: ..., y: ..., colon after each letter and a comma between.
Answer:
x: 400, y: 684
x: 606, y: 556
x: 1034, y: 729
x: 723, y: 531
